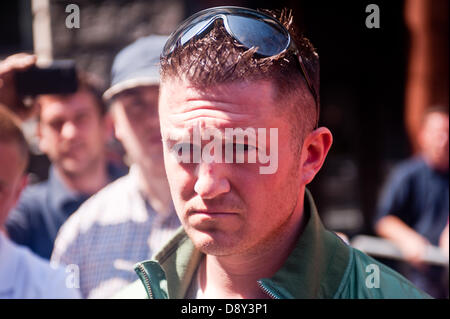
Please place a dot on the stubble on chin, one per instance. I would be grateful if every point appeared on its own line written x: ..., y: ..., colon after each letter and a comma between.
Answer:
x: 212, y: 241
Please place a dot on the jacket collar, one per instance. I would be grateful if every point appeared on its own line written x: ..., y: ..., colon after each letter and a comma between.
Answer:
x: 314, y: 269
x: 59, y: 195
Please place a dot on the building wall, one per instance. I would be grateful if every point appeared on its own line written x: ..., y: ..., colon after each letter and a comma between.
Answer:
x: 108, y: 26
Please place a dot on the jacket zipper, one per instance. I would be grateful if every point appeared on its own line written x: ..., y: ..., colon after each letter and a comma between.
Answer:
x: 267, y: 291
x: 150, y: 292
x: 147, y: 281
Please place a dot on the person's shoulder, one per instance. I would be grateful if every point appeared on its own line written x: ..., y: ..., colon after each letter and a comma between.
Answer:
x: 33, y: 196
x: 410, y: 167
x: 31, y: 204
x: 406, y: 172
x: 35, y: 277
x: 368, y: 278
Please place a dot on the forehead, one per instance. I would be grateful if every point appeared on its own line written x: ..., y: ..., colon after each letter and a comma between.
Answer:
x: 239, y: 104
x: 58, y: 105
x: 149, y: 92
x: 436, y: 121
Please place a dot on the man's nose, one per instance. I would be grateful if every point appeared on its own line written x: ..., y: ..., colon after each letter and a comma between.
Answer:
x: 211, y: 181
x: 69, y: 130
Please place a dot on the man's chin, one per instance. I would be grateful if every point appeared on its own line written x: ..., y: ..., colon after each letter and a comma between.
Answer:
x: 72, y: 167
x: 213, y: 242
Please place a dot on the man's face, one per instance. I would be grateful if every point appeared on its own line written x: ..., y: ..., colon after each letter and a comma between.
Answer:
x: 12, y: 179
x: 136, y: 123
x: 230, y: 208
x: 72, y: 131
x: 434, y: 140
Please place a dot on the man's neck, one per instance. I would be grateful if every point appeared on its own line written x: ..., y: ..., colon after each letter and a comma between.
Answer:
x: 87, y: 182
x: 154, y: 185
x: 237, y: 276
x: 438, y: 167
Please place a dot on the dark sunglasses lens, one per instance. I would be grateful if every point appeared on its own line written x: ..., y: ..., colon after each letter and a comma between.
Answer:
x: 186, y: 31
x: 266, y: 35
x: 193, y: 31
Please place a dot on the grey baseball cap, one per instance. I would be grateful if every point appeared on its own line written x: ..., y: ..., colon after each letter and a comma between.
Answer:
x: 136, y: 65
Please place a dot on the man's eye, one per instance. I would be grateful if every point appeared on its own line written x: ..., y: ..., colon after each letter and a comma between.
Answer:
x: 180, y: 148
x: 239, y: 153
x: 243, y: 147
x: 185, y: 152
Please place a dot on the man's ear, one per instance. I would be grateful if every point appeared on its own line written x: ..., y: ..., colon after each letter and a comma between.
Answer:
x: 314, y: 151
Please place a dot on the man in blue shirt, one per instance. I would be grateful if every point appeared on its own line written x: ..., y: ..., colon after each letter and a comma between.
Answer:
x: 73, y: 131
x: 414, y: 207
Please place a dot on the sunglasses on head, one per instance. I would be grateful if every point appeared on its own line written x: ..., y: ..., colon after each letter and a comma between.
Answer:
x: 250, y: 28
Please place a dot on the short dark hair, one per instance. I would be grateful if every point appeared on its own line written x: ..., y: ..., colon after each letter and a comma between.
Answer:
x: 88, y: 83
x: 10, y: 132
x: 92, y: 84
x: 217, y: 58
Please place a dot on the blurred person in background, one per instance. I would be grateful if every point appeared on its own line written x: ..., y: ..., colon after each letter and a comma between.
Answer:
x: 73, y: 130
x: 413, y: 209
x: 22, y: 273
x: 130, y: 219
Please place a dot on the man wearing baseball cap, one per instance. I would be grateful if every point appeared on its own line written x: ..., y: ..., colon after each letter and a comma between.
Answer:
x: 131, y: 218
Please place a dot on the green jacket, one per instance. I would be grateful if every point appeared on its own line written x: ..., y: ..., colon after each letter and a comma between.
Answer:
x: 320, y: 266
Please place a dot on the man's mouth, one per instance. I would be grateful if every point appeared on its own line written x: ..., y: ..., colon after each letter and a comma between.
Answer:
x: 204, y: 219
x: 215, y: 213
x: 72, y: 150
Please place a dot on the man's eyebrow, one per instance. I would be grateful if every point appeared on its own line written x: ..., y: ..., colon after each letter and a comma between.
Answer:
x: 225, y: 135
